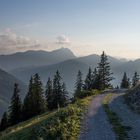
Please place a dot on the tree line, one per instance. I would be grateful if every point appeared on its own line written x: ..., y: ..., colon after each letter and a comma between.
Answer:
x: 55, y: 96
x: 100, y: 78
x: 127, y: 83
x: 36, y: 100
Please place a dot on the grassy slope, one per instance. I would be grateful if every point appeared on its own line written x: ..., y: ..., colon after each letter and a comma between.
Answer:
x: 63, y: 123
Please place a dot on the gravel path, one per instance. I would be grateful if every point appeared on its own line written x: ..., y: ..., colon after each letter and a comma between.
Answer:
x: 128, y: 117
x: 96, y: 125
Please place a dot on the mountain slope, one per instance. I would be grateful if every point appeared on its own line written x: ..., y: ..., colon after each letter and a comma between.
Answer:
x: 94, y: 59
x: 68, y: 70
x: 34, y: 58
x: 6, y: 89
x: 33, y: 129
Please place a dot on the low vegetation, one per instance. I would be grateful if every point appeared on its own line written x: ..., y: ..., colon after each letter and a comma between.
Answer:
x: 61, y: 124
x: 120, y: 130
x: 132, y: 98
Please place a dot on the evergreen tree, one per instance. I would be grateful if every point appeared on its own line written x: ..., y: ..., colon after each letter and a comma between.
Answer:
x: 34, y: 102
x: 57, y: 89
x: 56, y: 93
x: 58, y: 96
x: 95, y: 79
x: 135, y: 79
x: 79, y: 83
x: 15, y: 107
x: 29, y: 102
x: 125, y: 81
x: 64, y: 95
x: 49, y: 94
x: 104, y: 73
x: 88, y: 80
x: 4, y: 122
x: 38, y: 95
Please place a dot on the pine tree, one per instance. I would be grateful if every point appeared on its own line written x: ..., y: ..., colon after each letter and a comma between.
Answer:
x: 104, y: 73
x: 78, y: 84
x: 15, y: 107
x: 95, y: 79
x: 57, y: 91
x: 29, y: 102
x: 34, y: 102
x: 64, y: 99
x: 135, y: 79
x: 125, y: 81
x: 38, y: 95
x: 49, y: 94
x: 88, y: 80
x: 4, y: 122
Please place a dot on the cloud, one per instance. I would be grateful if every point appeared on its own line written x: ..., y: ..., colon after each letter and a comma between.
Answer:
x: 10, y: 42
x: 62, y: 40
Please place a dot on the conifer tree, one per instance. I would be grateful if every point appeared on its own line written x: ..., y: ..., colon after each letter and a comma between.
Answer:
x: 64, y: 95
x: 34, y: 102
x: 49, y: 94
x: 38, y: 95
x: 15, y: 107
x: 78, y: 84
x: 125, y: 81
x: 135, y: 79
x: 88, y: 80
x: 95, y: 79
x: 57, y: 91
x: 4, y: 122
x: 104, y: 73
x: 29, y: 102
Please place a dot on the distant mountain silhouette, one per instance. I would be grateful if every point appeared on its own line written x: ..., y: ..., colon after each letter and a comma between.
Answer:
x: 94, y: 59
x: 68, y: 69
x: 6, y: 89
x: 34, y: 58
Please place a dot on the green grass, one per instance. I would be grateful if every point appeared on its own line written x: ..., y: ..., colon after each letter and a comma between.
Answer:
x: 61, y: 124
x: 120, y: 130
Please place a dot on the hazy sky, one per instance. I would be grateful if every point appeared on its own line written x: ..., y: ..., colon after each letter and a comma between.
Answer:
x: 84, y: 26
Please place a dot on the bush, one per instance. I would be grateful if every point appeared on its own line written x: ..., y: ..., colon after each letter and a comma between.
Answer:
x: 63, y: 125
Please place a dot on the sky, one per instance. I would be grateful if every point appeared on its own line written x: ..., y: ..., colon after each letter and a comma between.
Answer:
x: 84, y: 26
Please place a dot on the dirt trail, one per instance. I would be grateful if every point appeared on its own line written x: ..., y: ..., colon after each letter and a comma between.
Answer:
x: 128, y: 117
x: 96, y: 125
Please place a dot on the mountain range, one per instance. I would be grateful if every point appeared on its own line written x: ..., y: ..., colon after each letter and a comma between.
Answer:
x: 20, y: 66
x: 67, y: 68
x: 33, y: 58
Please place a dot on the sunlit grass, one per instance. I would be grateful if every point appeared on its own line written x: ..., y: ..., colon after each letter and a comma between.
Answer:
x: 64, y: 122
